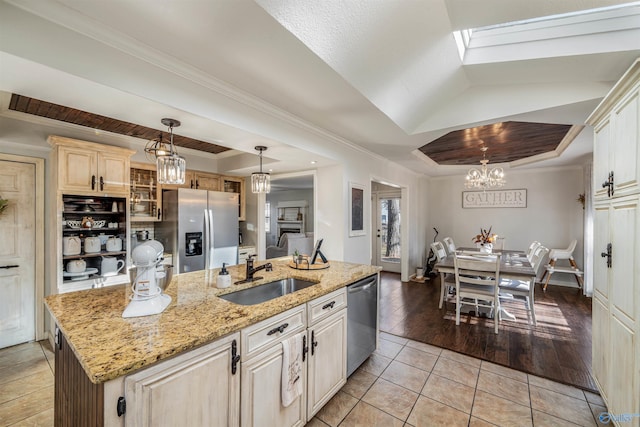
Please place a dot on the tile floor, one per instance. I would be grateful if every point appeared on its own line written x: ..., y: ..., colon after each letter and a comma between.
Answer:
x: 404, y: 383
x: 26, y: 385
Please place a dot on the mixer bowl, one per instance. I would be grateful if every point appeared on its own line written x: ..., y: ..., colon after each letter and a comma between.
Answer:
x: 163, y: 282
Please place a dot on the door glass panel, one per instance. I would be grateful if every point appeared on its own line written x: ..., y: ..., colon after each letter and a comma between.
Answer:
x: 390, y: 231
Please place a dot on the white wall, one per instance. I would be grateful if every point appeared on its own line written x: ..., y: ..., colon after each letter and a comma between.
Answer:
x: 553, y: 215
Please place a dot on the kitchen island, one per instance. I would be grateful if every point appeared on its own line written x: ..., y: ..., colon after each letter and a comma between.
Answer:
x: 108, y: 347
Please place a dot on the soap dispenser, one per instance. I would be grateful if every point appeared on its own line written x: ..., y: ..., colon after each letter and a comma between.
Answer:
x: 224, y: 279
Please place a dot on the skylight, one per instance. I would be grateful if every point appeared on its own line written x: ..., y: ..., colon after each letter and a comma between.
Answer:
x: 582, y: 22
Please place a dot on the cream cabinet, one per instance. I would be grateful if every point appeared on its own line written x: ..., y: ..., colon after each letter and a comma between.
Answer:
x: 88, y: 168
x: 146, y: 193
x: 200, y: 387
x: 323, y: 322
x: 616, y: 302
x: 207, y: 181
x: 233, y: 184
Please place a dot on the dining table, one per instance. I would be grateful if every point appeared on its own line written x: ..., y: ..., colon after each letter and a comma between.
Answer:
x: 514, y: 265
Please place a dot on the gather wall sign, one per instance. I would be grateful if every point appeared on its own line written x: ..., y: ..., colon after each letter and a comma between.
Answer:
x: 495, y: 199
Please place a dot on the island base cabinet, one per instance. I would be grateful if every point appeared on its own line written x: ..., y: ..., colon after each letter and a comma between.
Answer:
x: 261, y: 403
x: 198, y: 388
x: 327, y: 363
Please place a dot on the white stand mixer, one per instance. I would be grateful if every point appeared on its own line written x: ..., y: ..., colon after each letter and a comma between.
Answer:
x: 147, y: 298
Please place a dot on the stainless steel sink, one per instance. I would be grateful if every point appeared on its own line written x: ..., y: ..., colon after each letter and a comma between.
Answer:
x: 267, y: 292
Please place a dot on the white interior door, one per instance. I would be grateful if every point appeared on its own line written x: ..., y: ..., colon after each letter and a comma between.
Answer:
x: 388, y: 241
x: 17, y: 253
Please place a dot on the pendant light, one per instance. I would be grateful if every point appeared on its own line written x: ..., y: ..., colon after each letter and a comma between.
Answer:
x: 260, y: 181
x: 171, y: 167
x: 484, y: 178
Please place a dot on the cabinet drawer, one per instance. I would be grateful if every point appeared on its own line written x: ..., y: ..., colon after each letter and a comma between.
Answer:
x: 261, y: 336
x: 322, y: 307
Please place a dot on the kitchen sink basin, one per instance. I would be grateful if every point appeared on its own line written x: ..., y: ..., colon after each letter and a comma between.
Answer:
x: 267, y: 292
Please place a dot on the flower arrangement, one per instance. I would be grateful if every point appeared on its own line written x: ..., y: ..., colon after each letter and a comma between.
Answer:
x: 485, y: 237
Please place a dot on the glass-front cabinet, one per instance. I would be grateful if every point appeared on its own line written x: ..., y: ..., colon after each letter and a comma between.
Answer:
x: 232, y: 184
x: 146, y: 195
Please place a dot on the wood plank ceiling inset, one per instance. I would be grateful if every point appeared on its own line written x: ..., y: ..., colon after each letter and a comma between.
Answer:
x: 46, y: 109
x: 506, y: 142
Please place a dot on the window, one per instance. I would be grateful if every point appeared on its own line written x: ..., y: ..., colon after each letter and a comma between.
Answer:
x: 267, y: 217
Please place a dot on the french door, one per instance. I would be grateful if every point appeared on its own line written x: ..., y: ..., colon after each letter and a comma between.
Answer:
x: 387, y: 243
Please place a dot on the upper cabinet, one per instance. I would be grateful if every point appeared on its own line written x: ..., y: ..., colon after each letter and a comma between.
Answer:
x: 234, y: 184
x: 616, y: 172
x: 207, y: 181
x: 91, y: 169
x: 146, y: 194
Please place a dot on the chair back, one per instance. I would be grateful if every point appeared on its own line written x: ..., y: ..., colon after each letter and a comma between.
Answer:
x: 564, y: 253
x: 438, y: 250
x: 532, y: 248
x: 483, y: 270
x: 538, y: 256
x: 449, y: 245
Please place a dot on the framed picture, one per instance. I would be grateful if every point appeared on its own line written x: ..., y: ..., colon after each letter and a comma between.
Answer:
x: 356, y: 210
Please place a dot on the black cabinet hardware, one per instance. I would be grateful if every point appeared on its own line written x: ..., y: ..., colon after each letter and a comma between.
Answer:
x: 93, y: 182
x: 235, y: 357
x: 329, y: 305
x: 305, y: 349
x: 609, y: 184
x: 314, y: 343
x: 607, y: 255
x: 9, y: 266
x: 101, y: 183
x: 121, y: 407
x: 280, y: 329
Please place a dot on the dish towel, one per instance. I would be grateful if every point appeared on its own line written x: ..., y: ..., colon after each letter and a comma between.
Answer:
x: 291, y: 369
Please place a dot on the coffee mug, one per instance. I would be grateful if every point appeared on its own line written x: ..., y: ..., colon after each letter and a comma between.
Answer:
x: 110, y: 266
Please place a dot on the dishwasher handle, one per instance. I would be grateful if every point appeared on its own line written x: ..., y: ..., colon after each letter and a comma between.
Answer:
x: 363, y: 285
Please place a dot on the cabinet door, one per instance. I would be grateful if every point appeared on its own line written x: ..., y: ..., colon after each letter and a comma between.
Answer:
x: 236, y: 185
x: 327, y: 361
x: 260, y: 402
x: 601, y: 239
x: 207, y: 181
x: 189, y: 182
x: 600, y: 345
x: 113, y: 171
x: 197, y: 388
x: 77, y: 169
x: 626, y: 146
x: 601, y: 163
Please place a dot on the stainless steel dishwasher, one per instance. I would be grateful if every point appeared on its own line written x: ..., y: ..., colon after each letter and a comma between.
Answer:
x: 362, y: 324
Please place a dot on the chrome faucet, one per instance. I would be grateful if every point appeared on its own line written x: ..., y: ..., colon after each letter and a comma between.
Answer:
x: 251, y: 270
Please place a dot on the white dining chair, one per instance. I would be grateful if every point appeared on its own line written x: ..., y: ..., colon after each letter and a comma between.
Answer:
x: 477, y: 279
x: 532, y: 248
x: 447, y: 281
x: 449, y: 245
x: 511, y: 288
x: 499, y: 244
x: 560, y: 254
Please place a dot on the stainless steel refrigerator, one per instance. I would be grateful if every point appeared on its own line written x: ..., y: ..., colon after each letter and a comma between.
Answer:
x: 200, y: 228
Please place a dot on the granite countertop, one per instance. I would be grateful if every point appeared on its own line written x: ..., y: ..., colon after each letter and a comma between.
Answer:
x: 108, y: 346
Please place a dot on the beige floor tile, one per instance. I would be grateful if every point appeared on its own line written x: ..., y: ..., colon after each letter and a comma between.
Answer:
x: 43, y: 419
x: 500, y: 411
x: 449, y: 392
x: 427, y: 348
x: 405, y: 376
x: 369, y: 416
x: 391, y: 398
x: 462, y: 358
x: 388, y: 349
x: 337, y: 408
x: 358, y: 383
x: 429, y: 413
x: 18, y: 348
x: 393, y: 338
x: 598, y: 412
x: 25, y: 385
x: 541, y: 419
x: 477, y: 422
x: 375, y: 364
x: 26, y: 406
x: 416, y: 358
x: 26, y: 355
x: 18, y: 371
x: 504, y: 387
x: 594, y: 398
x: 456, y: 371
x: 555, y: 386
x: 504, y: 371
x: 560, y: 405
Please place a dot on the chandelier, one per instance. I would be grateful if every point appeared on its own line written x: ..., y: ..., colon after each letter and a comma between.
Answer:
x: 484, y: 178
x: 171, y: 167
x: 260, y: 181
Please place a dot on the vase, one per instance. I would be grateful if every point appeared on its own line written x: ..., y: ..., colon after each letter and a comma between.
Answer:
x: 486, y: 248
